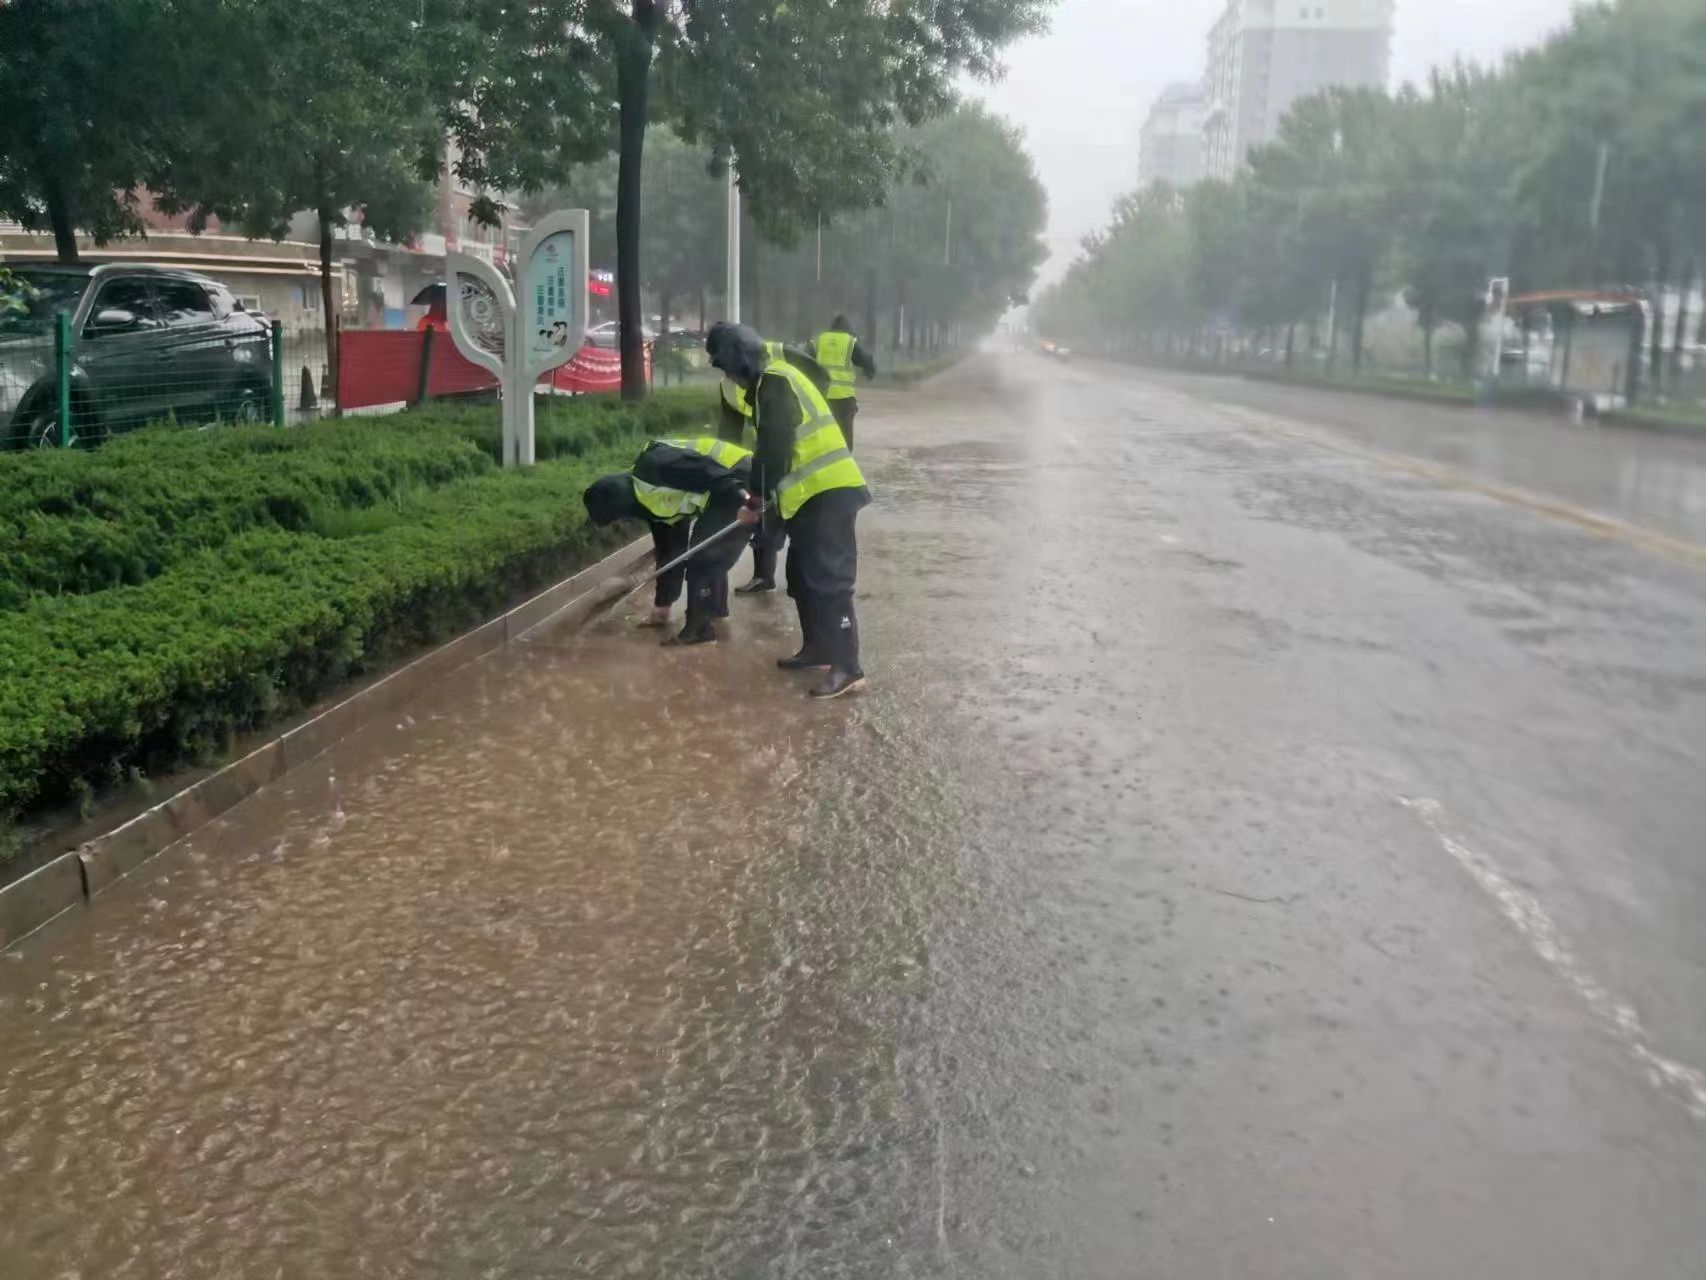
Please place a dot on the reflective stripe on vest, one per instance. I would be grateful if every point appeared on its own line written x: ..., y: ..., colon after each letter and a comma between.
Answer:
x: 821, y: 460
x: 670, y: 506
x: 735, y: 398
x: 835, y: 354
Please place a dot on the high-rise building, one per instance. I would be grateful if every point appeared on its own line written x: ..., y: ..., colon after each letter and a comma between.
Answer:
x: 1263, y: 55
x: 1172, y: 144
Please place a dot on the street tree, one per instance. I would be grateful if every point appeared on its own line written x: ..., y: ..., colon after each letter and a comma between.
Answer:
x: 91, y: 110
x: 329, y: 108
x: 802, y: 98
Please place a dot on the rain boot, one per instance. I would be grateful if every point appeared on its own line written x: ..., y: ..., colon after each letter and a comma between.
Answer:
x: 699, y: 614
x: 838, y: 628
x: 807, y: 658
x: 763, y: 573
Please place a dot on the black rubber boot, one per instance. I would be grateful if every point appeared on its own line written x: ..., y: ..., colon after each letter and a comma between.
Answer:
x: 697, y: 631
x: 763, y: 573
x: 837, y: 631
x: 807, y: 658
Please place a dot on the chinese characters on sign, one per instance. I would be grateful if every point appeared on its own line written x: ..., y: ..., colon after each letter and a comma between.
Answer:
x: 552, y: 319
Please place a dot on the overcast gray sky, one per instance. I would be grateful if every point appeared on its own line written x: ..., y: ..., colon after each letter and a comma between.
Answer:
x: 1080, y: 92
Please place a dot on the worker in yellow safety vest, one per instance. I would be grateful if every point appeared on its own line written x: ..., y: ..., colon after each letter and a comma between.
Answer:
x: 803, y: 465
x: 734, y: 415
x: 842, y: 356
x: 688, y: 491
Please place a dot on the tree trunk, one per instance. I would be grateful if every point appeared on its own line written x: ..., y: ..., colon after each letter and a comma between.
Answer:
x: 633, y: 97
x: 1290, y: 343
x: 664, y: 349
x: 701, y: 308
x: 871, y: 306
x: 1365, y: 285
x: 328, y: 309
x: 1428, y: 350
x: 1333, y: 336
x: 1656, y: 378
x: 1471, y: 344
x: 63, y: 219
x: 1679, y: 341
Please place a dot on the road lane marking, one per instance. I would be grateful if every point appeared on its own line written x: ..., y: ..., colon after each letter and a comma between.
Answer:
x: 1617, y: 1017
x: 1594, y: 522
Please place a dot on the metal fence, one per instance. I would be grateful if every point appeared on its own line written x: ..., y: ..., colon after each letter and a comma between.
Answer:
x: 65, y: 389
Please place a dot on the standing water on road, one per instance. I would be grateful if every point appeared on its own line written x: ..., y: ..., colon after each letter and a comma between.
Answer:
x: 1145, y: 916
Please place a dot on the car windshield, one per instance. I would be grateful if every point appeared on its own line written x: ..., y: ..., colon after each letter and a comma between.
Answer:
x: 30, y: 299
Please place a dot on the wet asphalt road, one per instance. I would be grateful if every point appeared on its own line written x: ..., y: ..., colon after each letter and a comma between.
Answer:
x: 1257, y: 856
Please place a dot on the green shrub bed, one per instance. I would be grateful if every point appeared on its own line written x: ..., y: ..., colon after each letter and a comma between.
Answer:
x: 224, y: 579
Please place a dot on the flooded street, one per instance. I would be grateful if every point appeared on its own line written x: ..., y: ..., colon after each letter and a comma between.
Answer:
x: 1250, y: 860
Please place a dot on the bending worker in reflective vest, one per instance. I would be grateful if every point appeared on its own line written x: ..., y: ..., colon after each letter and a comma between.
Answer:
x: 841, y: 355
x: 803, y: 460
x: 688, y: 491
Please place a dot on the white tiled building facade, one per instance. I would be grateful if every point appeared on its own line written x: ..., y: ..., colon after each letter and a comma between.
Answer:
x: 1173, y: 146
x: 1266, y: 54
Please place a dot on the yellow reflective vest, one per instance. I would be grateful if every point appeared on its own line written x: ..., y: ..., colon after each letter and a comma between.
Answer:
x: 671, y: 506
x: 835, y: 354
x: 821, y: 460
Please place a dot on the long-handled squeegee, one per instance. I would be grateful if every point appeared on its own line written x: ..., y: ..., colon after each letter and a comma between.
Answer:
x: 621, y: 588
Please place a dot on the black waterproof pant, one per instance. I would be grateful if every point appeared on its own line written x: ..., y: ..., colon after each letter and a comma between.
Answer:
x: 768, y: 539
x: 822, y: 567
x: 706, y: 575
x: 845, y: 410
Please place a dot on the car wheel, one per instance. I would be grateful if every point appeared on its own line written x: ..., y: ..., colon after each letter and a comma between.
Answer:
x: 44, y: 431
x: 247, y: 409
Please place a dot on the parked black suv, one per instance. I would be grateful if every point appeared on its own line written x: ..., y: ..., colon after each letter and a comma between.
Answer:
x: 147, y: 343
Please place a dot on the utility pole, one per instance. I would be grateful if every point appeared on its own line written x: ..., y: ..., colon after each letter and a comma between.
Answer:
x: 731, y: 289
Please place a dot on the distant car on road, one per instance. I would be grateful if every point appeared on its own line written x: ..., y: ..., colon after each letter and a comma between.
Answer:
x: 147, y: 343
x: 604, y: 335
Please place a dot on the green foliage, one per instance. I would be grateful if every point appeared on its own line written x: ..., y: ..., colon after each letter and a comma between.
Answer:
x: 804, y: 97
x: 1432, y: 193
x: 957, y: 241
x: 256, y: 604
x: 90, y: 107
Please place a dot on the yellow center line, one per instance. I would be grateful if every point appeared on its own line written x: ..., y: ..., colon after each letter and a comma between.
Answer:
x: 1594, y: 522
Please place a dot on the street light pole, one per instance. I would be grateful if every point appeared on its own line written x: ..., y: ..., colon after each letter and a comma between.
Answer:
x: 731, y: 289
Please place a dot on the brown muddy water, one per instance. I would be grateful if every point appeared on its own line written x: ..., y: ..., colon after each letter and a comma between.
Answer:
x: 1248, y: 862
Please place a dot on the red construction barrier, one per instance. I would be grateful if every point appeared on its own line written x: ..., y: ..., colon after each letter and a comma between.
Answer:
x: 452, y: 374
x: 383, y: 366
x: 379, y: 366
x: 593, y: 369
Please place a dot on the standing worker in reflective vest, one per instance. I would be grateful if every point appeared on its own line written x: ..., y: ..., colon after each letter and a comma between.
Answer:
x: 734, y: 415
x: 770, y: 537
x: 841, y: 355
x: 688, y: 491
x: 804, y: 462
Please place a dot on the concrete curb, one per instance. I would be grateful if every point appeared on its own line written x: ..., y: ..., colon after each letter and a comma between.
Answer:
x: 78, y: 877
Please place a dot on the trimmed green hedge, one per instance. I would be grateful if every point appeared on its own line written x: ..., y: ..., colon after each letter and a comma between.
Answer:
x: 378, y: 536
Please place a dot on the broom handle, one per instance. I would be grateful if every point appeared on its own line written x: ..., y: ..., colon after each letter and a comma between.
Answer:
x: 692, y: 551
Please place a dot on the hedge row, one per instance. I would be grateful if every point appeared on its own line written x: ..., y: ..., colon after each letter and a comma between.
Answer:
x: 75, y: 521
x: 85, y: 520
x: 266, y: 620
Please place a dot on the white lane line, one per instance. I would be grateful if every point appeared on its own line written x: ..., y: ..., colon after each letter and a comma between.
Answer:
x: 1685, y: 1083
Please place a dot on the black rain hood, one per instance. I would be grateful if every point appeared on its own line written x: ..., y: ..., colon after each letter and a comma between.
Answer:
x: 737, y: 350
x: 611, y: 498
